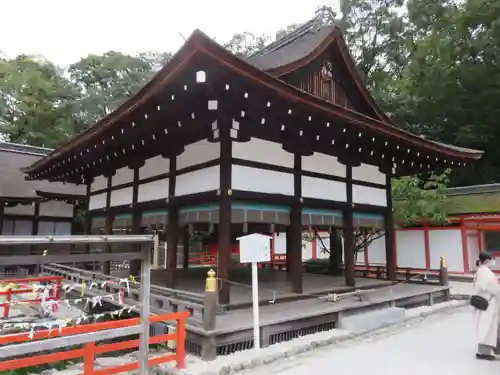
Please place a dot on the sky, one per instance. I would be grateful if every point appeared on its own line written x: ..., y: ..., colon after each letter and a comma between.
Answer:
x: 65, y: 31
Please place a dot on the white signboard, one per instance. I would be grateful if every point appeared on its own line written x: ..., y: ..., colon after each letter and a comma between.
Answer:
x: 255, y: 248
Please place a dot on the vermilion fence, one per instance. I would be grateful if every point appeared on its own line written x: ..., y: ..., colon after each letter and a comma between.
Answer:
x: 89, y: 350
x: 24, y: 286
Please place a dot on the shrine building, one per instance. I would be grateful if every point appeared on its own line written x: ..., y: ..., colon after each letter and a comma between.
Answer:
x: 285, y: 139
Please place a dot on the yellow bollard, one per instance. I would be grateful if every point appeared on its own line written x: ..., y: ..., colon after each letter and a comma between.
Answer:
x: 443, y: 262
x: 211, y: 283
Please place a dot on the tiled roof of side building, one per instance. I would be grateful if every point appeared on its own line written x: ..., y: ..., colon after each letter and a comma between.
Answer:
x: 13, y: 184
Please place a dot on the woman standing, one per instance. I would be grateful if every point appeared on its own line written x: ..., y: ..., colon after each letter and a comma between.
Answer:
x: 486, y: 321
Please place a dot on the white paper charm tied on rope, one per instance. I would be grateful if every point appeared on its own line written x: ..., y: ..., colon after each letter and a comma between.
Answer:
x: 127, y: 284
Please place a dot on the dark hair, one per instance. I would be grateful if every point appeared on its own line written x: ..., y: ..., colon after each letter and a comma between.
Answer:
x: 483, y: 257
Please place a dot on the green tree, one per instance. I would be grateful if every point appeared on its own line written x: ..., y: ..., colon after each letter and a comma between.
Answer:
x: 417, y: 200
x: 35, y: 101
x: 245, y: 44
x: 106, y: 81
x: 450, y: 90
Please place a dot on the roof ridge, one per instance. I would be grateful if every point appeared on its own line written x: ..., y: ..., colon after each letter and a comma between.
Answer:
x: 286, y: 39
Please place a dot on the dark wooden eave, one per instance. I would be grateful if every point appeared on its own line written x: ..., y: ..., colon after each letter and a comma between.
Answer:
x: 68, y: 198
x: 200, y: 47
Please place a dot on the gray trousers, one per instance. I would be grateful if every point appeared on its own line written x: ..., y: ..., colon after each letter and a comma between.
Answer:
x: 484, y: 349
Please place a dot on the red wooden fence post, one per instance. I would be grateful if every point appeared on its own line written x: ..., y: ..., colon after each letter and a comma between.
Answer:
x: 88, y: 359
x: 180, y: 344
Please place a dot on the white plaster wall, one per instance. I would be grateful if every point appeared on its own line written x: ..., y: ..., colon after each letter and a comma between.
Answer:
x: 23, y: 227
x: 153, y: 190
x: 99, y: 183
x: 307, y: 249
x: 97, y: 201
x: 261, y: 180
x: 154, y: 166
x: 197, y: 153
x: 368, y: 173
x: 122, y: 176
x: 262, y: 151
x: 121, y: 197
x: 206, y: 179
x: 279, y: 243
x: 46, y: 227
x: 325, y: 238
x: 472, y: 248
x: 360, y: 258
x: 376, y: 251
x: 369, y: 195
x: 319, y: 188
x: 410, y: 246
x: 62, y: 228
x: 322, y: 163
x: 447, y: 243
x: 55, y: 208
x: 21, y: 209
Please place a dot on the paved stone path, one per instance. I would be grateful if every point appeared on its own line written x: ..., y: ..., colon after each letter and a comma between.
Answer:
x: 441, y: 344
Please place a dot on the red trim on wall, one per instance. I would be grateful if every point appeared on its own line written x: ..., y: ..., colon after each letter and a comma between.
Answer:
x: 465, y: 245
x: 314, y: 253
x: 427, y: 244
x: 366, y: 255
x: 480, y: 241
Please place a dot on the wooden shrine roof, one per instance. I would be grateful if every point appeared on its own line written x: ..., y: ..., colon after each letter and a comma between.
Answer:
x: 13, y: 185
x: 292, y: 47
x: 155, y: 114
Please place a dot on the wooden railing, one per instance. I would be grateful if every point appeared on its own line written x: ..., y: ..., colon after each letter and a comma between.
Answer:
x: 162, y: 299
x: 24, y: 286
x: 404, y: 274
x: 17, y: 345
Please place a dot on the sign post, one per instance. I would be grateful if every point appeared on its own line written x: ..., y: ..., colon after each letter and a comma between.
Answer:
x: 255, y: 248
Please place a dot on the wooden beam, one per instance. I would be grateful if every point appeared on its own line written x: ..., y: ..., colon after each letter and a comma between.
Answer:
x: 295, y: 232
x: 390, y: 246
x: 224, y: 226
x: 64, y: 258
x: 349, y: 250
x: 9, y: 351
x: 135, y: 266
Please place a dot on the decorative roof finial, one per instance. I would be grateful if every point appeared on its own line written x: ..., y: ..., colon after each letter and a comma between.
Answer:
x: 325, y: 15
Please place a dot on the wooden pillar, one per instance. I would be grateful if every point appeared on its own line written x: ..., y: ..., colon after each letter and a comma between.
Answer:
x: 224, y: 227
x: 465, y: 245
x: 172, y: 225
x: 135, y: 264
x: 390, y: 246
x: 172, y: 242
x: 108, y: 227
x: 294, y: 249
x: 349, y: 250
x: 185, y: 247
x: 87, y: 220
x: 35, y: 224
x: 294, y: 231
x: 36, y: 219
x: 335, y: 252
x: 2, y: 212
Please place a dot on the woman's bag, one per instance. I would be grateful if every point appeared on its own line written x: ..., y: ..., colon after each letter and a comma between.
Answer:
x: 479, y: 302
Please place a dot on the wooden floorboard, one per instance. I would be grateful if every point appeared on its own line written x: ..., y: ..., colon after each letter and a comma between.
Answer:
x: 236, y: 320
x: 272, y: 283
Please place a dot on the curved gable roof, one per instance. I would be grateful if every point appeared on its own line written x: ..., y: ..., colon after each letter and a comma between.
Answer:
x: 304, y: 45
x: 199, y: 43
